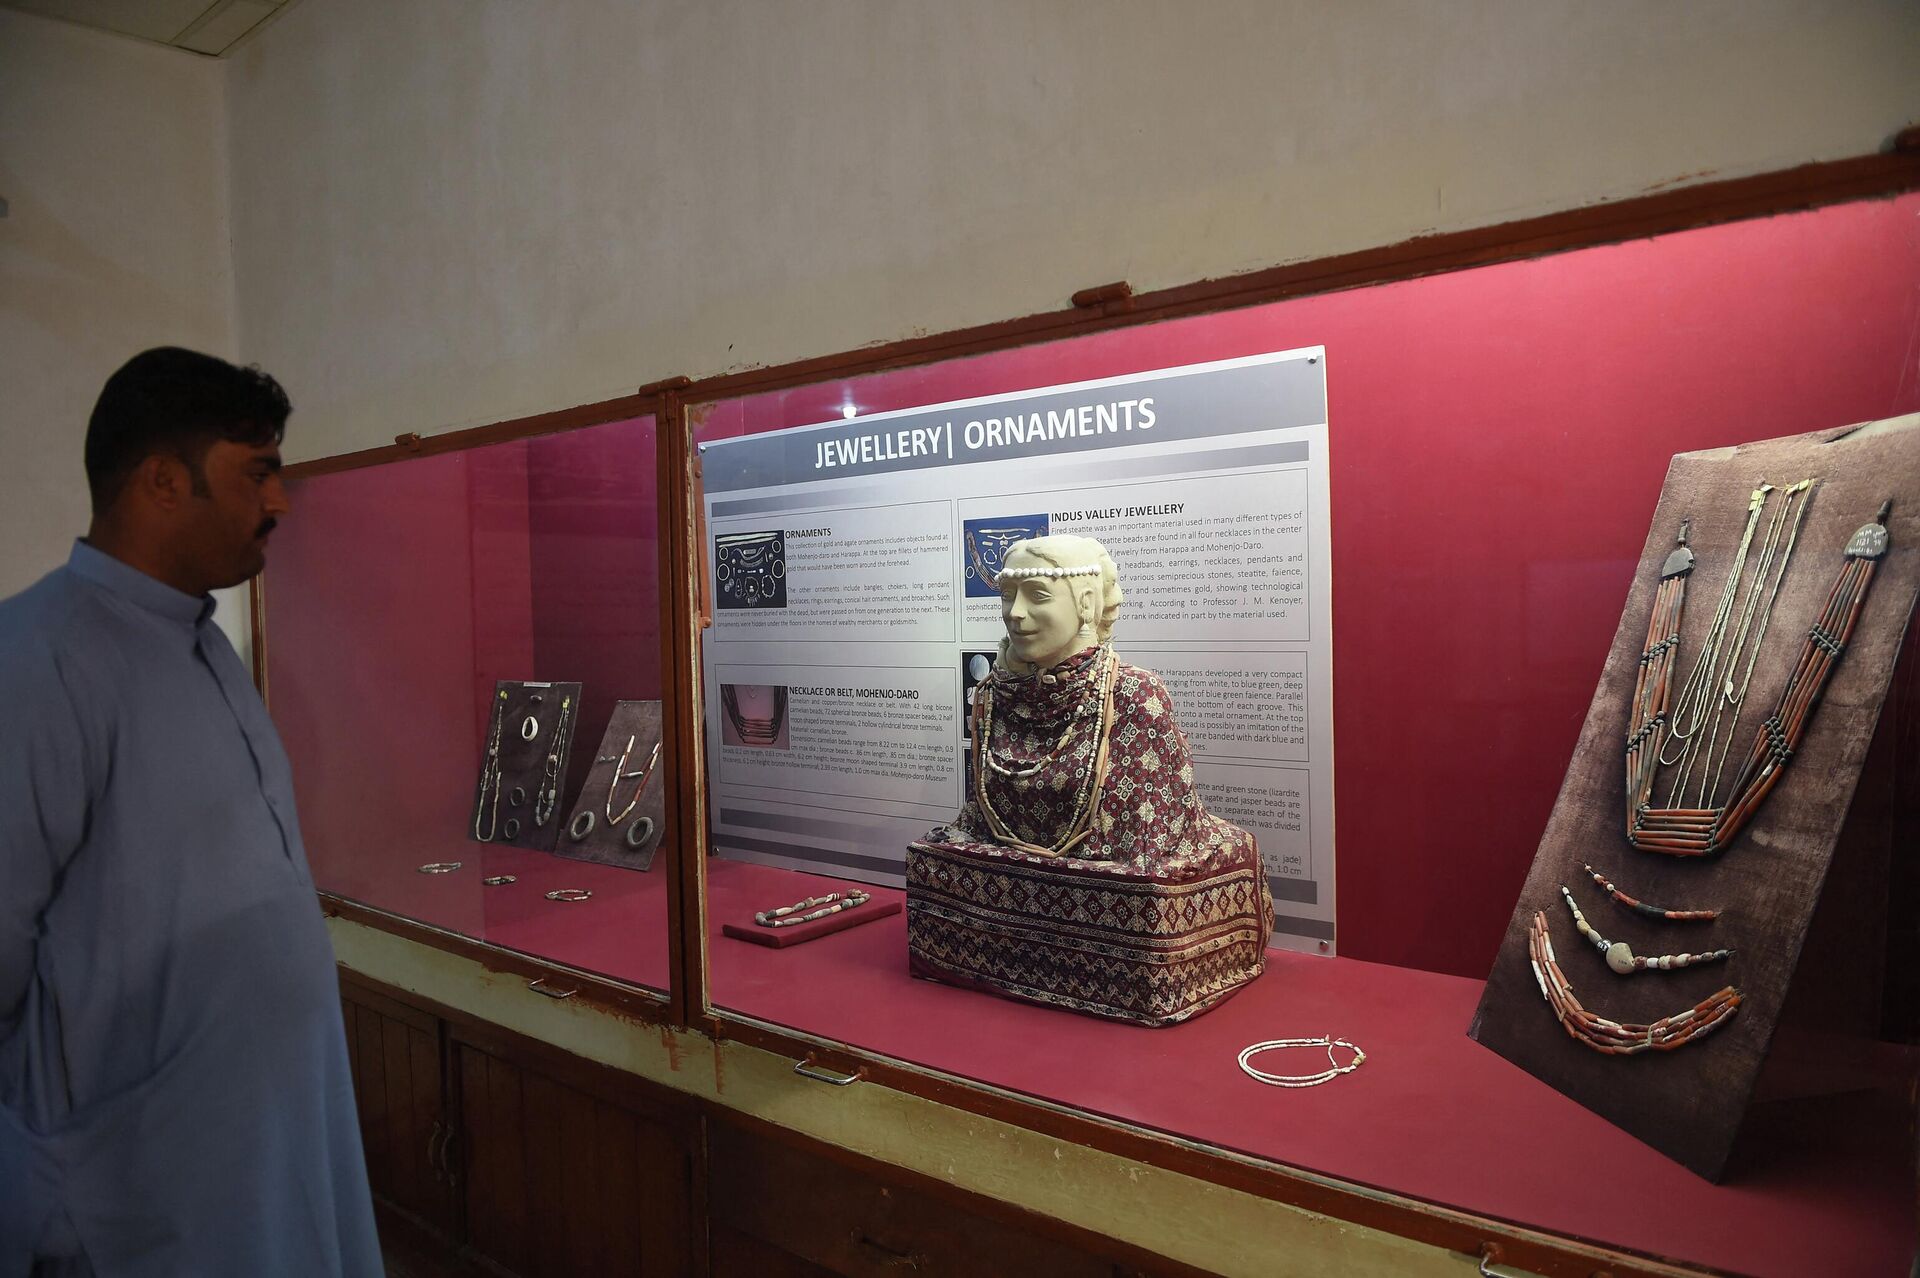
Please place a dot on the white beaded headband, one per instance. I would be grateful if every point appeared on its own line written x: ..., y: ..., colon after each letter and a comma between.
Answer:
x: 1023, y: 574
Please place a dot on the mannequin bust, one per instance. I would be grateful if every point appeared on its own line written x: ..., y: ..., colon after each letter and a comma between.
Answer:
x: 1076, y: 753
x: 1079, y: 770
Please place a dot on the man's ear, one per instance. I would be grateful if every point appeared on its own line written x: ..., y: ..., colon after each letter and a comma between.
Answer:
x: 163, y: 481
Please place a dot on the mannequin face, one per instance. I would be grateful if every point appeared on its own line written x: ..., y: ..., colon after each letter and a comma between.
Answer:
x: 1043, y: 614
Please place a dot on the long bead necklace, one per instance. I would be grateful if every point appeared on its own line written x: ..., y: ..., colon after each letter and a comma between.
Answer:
x: 646, y: 778
x: 490, y: 776
x: 1615, y: 1038
x: 1092, y: 775
x: 549, y: 797
x: 1650, y: 911
x: 1622, y: 960
x: 1708, y: 830
x: 1690, y: 708
x: 812, y: 909
x: 1081, y: 709
x: 1717, y: 689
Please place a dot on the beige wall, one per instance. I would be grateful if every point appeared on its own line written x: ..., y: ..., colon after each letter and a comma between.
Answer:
x: 112, y: 160
x: 454, y: 211
x: 113, y: 163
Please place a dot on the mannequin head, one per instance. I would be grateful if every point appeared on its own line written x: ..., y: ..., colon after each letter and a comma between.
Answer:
x: 1059, y: 596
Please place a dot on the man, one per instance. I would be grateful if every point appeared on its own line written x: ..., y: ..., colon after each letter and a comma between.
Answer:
x: 174, y: 1094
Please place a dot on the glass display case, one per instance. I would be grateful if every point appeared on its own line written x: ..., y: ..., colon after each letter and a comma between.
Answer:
x: 459, y: 648
x: 1373, y: 545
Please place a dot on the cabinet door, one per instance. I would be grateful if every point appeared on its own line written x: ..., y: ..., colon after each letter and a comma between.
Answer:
x: 399, y: 1086
x: 559, y: 1181
x: 779, y: 1208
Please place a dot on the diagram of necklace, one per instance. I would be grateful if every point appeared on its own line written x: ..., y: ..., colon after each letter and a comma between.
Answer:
x: 756, y: 714
x: 987, y: 541
x: 750, y: 569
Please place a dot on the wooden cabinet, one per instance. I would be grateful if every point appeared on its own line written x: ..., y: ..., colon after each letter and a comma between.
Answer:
x: 785, y: 1206
x: 400, y: 1086
x: 561, y: 1181
x: 513, y: 1157
x: 495, y: 1155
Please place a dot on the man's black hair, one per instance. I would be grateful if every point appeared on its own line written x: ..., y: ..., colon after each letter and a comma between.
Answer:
x: 176, y: 401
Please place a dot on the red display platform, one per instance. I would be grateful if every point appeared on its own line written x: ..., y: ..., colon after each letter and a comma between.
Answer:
x: 1823, y: 1186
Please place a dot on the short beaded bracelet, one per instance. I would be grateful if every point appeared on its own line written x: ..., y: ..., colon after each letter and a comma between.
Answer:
x: 1334, y: 1067
x: 791, y: 916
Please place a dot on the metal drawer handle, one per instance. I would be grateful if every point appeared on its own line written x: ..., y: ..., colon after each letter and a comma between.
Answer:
x: 888, y: 1256
x: 807, y: 1069
x: 539, y: 986
x: 433, y: 1146
x: 1492, y: 1264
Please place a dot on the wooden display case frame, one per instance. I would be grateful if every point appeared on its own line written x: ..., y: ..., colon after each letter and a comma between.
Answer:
x: 686, y: 1005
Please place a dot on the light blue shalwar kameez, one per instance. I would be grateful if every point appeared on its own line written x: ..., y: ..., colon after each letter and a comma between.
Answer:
x: 174, y: 1093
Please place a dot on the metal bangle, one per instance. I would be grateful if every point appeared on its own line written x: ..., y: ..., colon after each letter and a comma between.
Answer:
x: 498, y: 880
x: 511, y: 830
x: 529, y: 728
x: 517, y: 797
x: 569, y: 894
x: 440, y: 867
x: 582, y: 825
x: 639, y: 832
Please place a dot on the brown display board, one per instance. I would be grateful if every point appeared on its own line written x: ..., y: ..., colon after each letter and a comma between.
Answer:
x: 1689, y: 1102
x: 629, y: 748
x: 523, y: 764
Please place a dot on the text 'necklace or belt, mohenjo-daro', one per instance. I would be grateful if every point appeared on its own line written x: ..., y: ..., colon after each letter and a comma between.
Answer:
x: 1693, y: 733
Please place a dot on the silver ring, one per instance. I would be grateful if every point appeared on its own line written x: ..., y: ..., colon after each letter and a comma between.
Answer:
x: 582, y: 826
x: 529, y: 728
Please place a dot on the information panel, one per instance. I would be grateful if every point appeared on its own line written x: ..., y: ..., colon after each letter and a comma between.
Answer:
x: 853, y: 608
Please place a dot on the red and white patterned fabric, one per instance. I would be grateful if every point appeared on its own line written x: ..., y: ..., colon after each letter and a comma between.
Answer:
x: 1157, y: 914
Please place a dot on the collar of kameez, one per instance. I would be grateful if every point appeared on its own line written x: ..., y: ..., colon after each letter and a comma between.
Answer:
x: 136, y: 587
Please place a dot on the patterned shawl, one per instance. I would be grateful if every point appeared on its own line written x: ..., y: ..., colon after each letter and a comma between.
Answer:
x: 1038, y: 761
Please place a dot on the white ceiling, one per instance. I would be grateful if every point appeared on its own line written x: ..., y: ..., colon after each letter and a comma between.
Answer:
x: 199, y: 26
